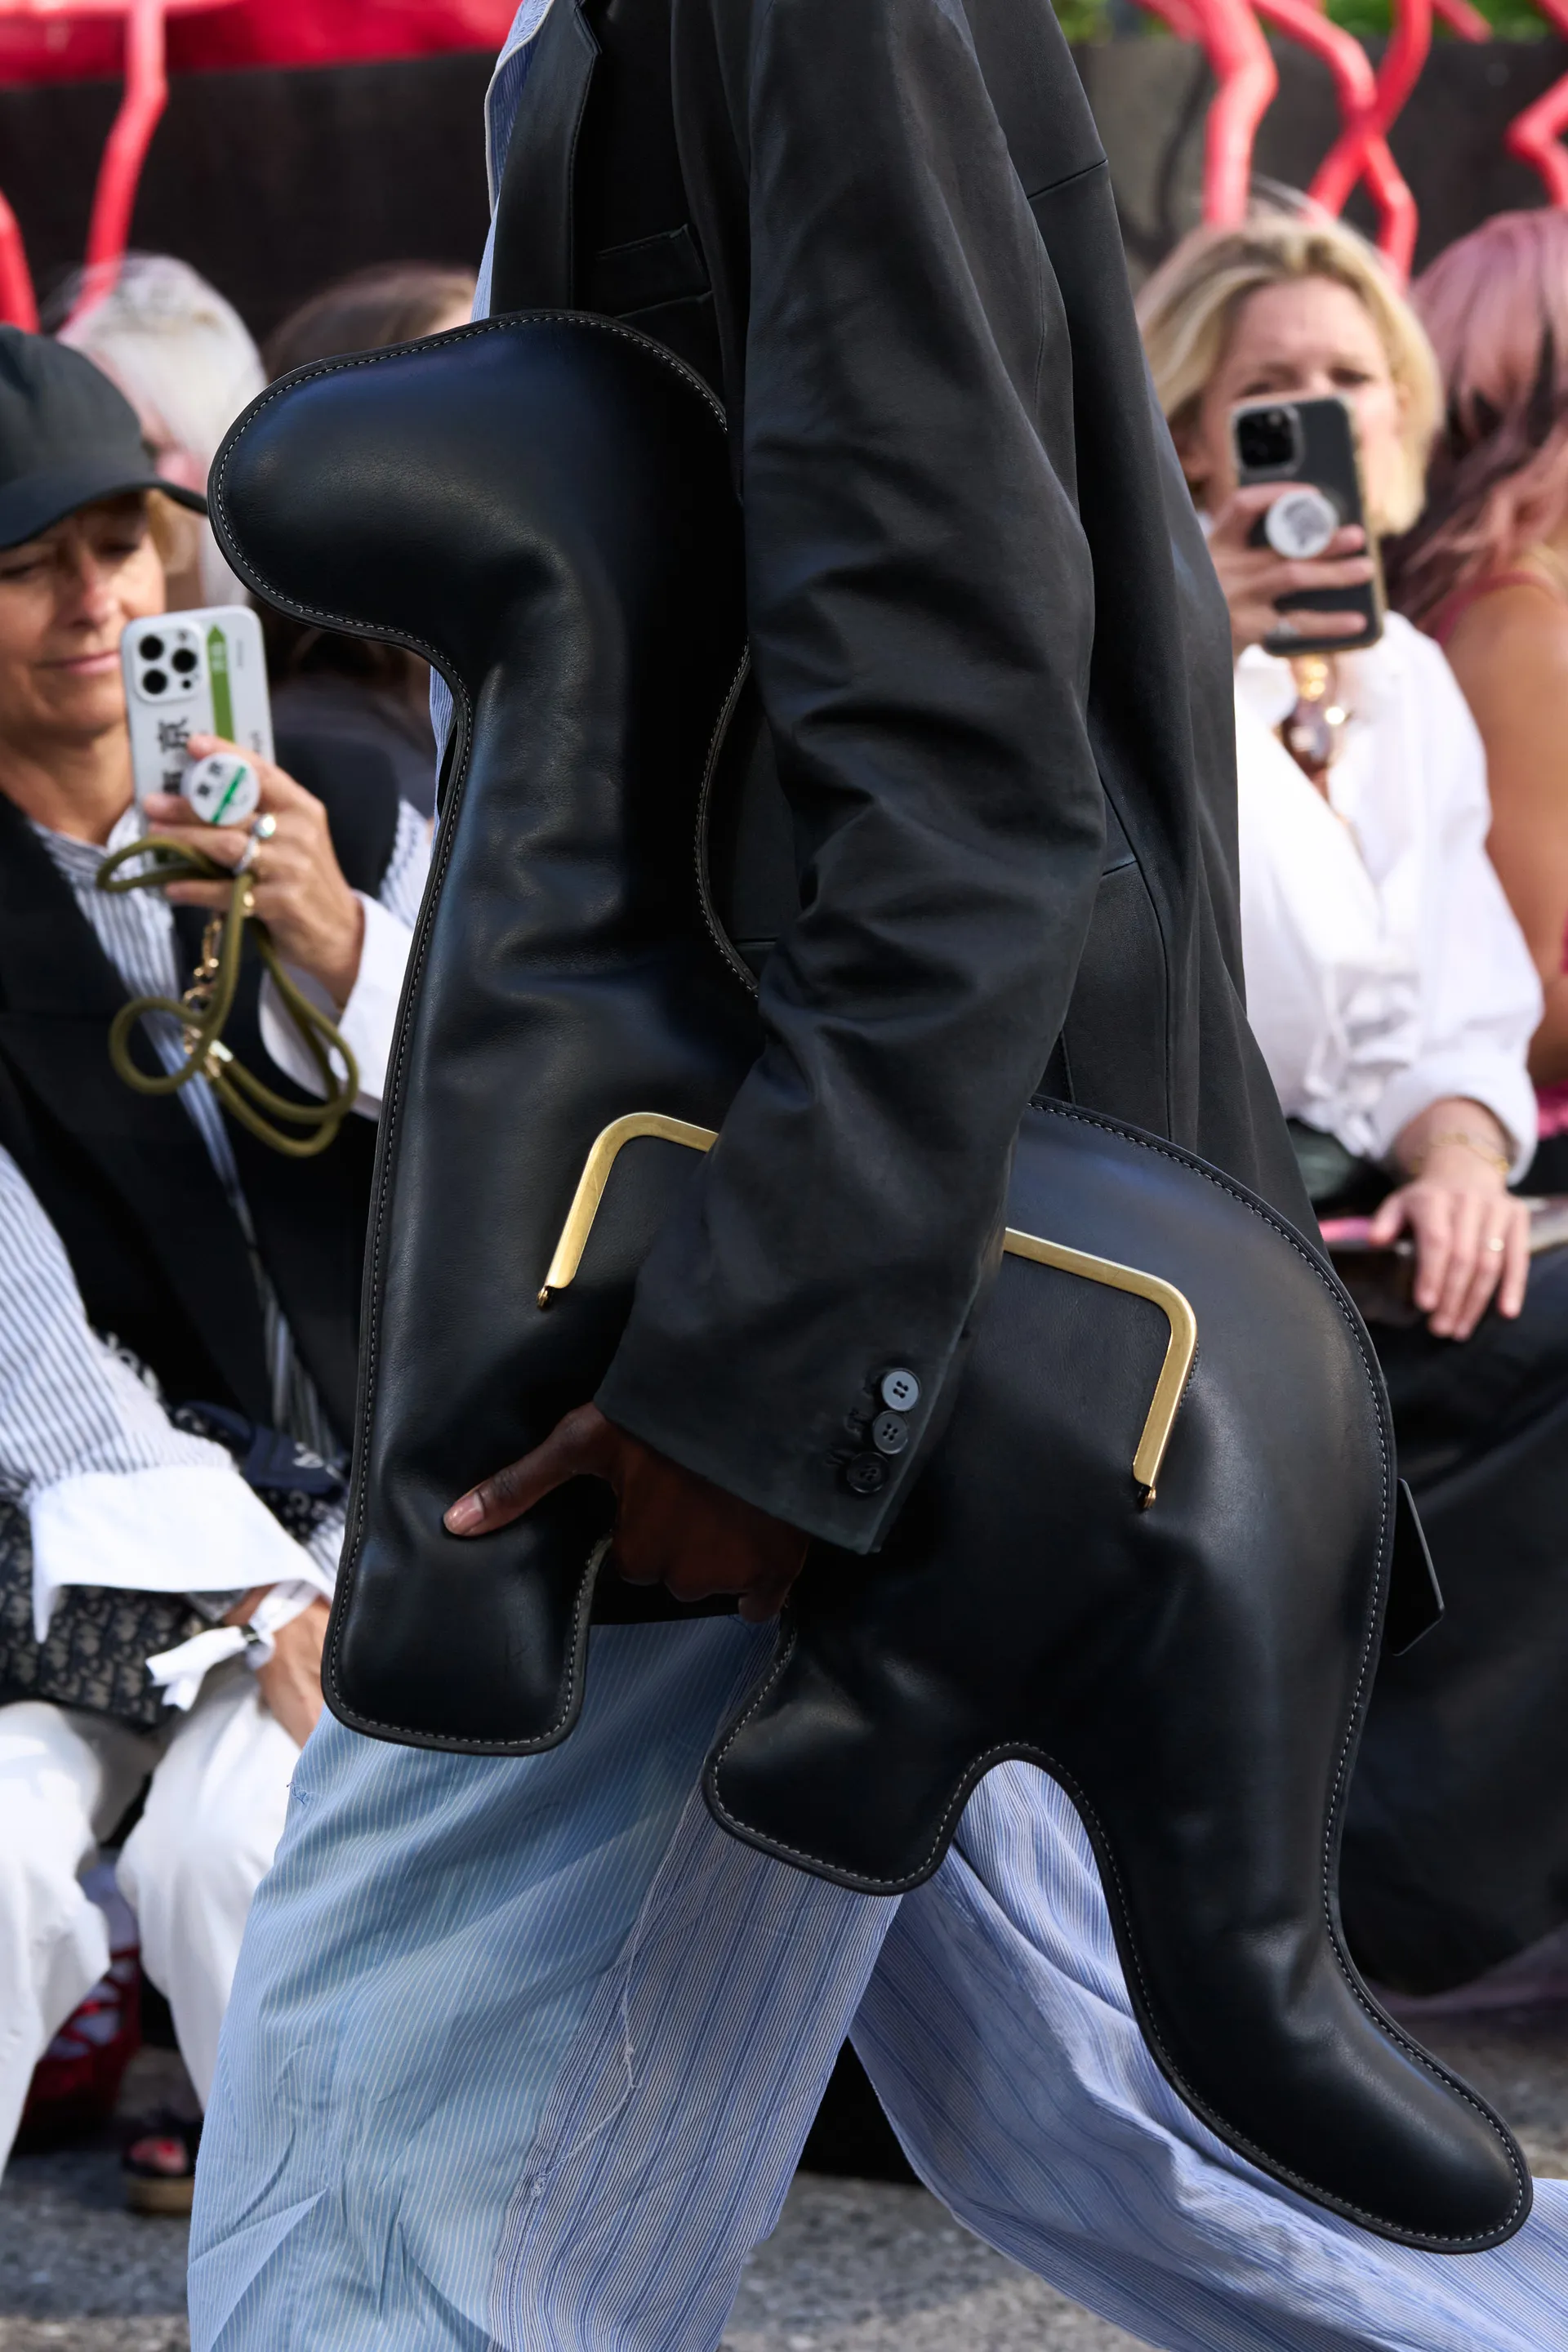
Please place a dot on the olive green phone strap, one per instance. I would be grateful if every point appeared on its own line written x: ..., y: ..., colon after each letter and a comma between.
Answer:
x: 297, y: 1129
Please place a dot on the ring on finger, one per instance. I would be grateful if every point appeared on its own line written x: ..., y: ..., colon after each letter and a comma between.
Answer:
x: 262, y: 830
x: 1496, y: 1241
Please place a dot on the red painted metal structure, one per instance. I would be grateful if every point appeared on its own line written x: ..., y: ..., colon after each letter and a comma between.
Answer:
x: 1229, y: 31
x: 1232, y: 39
x: 1533, y: 136
x: 35, y: 43
x: 71, y: 47
x: 1238, y: 58
x: 1361, y: 150
x: 1368, y: 103
x: 125, y: 150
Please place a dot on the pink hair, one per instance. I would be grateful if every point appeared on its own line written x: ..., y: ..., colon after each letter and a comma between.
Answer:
x: 1496, y: 308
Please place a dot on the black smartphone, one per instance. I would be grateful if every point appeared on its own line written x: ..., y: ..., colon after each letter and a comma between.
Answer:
x: 1309, y: 447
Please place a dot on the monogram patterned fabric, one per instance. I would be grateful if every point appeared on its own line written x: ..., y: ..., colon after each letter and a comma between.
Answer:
x: 95, y: 1654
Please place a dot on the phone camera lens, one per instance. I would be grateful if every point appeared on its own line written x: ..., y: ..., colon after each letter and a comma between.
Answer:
x: 154, y: 682
x: 151, y: 649
x: 185, y: 661
x: 1265, y: 440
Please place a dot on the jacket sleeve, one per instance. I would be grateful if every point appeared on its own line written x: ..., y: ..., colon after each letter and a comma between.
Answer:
x: 921, y: 612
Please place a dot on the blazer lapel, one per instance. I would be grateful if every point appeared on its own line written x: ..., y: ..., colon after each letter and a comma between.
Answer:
x: 533, y: 264
x: 58, y: 992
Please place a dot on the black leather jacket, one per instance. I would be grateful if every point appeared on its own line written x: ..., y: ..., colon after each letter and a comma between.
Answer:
x: 993, y: 659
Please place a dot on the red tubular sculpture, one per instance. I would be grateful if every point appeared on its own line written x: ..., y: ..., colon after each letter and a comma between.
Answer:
x: 1361, y: 150
x: 1238, y: 58
x: 1368, y: 103
x: 1533, y: 136
x: 1461, y: 18
x: 125, y: 150
x: 17, y: 306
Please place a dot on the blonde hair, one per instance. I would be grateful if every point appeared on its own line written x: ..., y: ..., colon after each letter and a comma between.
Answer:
x: 185, y: 361
x: 1188, y: 309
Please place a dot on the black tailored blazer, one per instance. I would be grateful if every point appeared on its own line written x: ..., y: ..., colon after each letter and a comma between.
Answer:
x: 992, y: 659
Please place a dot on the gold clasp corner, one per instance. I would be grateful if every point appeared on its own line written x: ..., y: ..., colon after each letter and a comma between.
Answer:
x: 1181, y: 1347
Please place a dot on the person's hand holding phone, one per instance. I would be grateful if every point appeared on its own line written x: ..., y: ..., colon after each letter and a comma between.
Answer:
x: 300, y: 893
x: 1255, y: 578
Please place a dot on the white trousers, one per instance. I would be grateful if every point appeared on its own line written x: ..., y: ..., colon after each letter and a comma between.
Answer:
x: 217, y: 1789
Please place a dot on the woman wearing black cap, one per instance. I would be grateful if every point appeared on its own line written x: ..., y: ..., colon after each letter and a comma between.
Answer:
x: 154, y: 1257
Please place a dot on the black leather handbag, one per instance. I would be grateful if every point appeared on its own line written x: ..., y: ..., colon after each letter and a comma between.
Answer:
x: 1151, y: 1549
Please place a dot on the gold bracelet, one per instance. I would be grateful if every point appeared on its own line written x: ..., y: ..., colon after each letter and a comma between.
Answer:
x: 1497, y: 1159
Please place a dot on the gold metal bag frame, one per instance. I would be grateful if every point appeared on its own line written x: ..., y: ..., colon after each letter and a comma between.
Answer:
x: 1180, y: 1348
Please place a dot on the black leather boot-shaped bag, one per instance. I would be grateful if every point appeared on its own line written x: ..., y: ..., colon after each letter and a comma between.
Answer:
x: 1150, y: 1548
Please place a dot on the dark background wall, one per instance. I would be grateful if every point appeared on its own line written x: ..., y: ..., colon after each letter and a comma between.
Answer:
x: 1150, y: 98
x: 271, y: 183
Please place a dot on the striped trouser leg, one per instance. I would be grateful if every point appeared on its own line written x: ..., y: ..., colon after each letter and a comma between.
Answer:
x: 998, y: 2032
x: 469, y: 1983
x: 995, y: 2023
x: 522, y: 2056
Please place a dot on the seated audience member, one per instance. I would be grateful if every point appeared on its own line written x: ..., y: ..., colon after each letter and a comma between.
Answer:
x: 330, y: 688
x: 155, y: 1256
x: 1485, y: 571
x: 185, y: 360
x: 1394, y: 1000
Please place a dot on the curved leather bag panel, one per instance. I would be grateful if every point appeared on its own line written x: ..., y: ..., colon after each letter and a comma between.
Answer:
x: 543, y: 507
x: 561, y: 959
x: 1193, y: 1672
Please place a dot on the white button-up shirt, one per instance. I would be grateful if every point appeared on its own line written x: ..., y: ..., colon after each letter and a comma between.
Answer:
x: 1385, y: 967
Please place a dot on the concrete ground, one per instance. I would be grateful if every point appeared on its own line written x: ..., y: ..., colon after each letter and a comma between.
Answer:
x: 854, y: 2267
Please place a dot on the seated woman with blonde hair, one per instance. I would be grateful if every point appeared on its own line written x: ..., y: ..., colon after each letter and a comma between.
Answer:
x: 1485, y: 571
x: 1395, y: 999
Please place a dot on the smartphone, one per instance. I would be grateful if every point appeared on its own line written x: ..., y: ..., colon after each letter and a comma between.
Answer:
x: 1312, y: 443
x: 198, y: 673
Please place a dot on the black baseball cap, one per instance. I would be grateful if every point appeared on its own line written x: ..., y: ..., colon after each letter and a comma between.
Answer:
x: 68, y: 438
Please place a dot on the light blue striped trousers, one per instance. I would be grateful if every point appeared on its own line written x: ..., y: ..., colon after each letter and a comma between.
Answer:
x: 522, y: 2053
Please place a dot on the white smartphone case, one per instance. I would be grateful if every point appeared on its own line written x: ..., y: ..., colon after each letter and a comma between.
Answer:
x: 196, y: 673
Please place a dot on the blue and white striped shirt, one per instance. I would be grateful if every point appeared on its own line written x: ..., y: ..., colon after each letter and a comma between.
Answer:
x: 84, y: 1439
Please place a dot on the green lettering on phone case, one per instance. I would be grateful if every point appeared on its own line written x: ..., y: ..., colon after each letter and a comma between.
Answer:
x: 233, y: 785
x: 218, y: 671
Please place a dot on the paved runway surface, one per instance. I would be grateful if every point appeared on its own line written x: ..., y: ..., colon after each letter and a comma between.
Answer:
x: 854, y: 2266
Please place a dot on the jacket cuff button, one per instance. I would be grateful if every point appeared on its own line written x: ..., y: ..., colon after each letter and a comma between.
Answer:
x: 890, y: 1433
x: 865, y: 1474
x: 901, y: 1390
